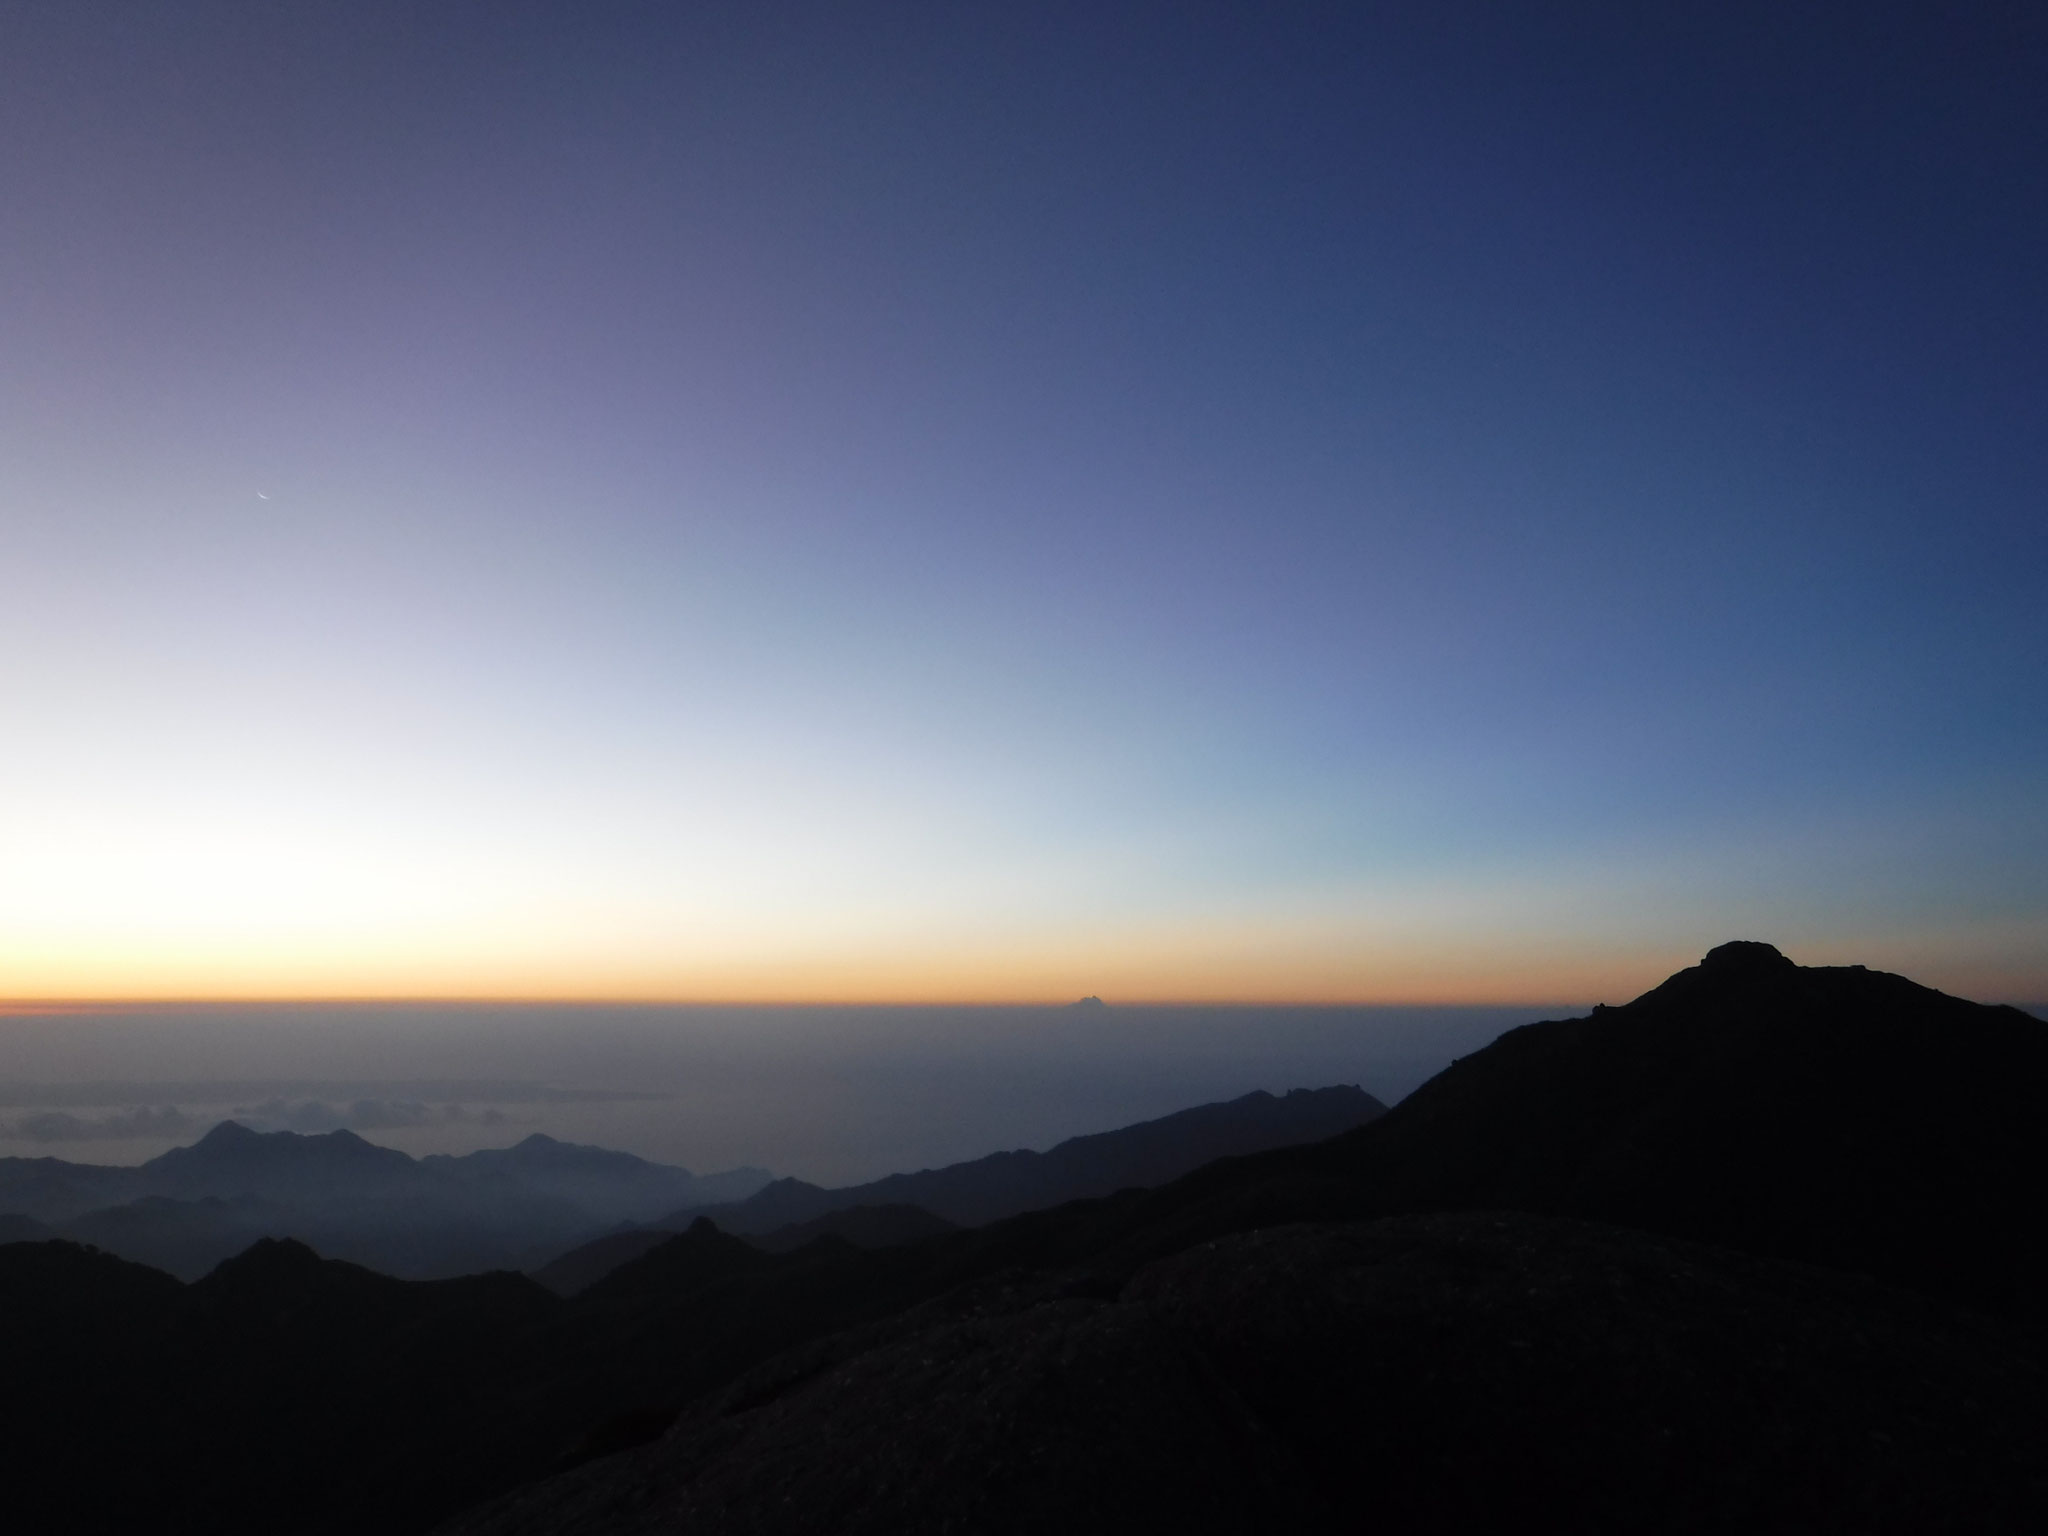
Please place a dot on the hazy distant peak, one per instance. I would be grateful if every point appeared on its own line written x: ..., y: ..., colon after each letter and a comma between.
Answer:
x: 233, y: 1161
x: 232, y: 1137
x: 238, y: 1134
x: 543, y: 1154
x: 1090, y: 1003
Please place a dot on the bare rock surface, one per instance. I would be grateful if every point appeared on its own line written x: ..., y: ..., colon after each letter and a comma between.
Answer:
x: 1467, y: 1372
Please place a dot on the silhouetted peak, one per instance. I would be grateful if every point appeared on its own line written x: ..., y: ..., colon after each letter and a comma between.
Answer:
x: 229, y: 1133
x: 700, y: 1256
x: 1745, y: 957
x: 1747, y: 970
x: 281, y: 1251
x: 266, y: 1259
x: 1088, y: 1004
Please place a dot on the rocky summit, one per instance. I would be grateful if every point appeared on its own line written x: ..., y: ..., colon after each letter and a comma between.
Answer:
x: 1759, y: 1251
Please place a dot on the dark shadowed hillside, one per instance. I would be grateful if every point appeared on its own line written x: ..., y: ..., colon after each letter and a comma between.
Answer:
x: 1641, y: 1304
x: 786, y: 1213
x: 1137, y: 1156
x: 282, y: 1392
x: 23, y: 1229
x: 1462, y: 1373
x: 585, y: 1265
x: 1454, y: 1373
x: 1834, y: 1115
x: 865, y: 1226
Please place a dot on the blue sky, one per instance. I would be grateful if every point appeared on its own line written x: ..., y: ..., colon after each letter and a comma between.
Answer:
x: 885, y: 501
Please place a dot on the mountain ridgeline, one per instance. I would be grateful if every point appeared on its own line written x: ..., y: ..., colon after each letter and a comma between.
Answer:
x: 1835, y: 1116
x: 905, y: 1207
x: 420, y: 1218
x: 1758, y: 1252
x: 1005, y: 1183
x: 512, y: 1208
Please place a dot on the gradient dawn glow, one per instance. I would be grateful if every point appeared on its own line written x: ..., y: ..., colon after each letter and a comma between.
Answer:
x: 912, y: 501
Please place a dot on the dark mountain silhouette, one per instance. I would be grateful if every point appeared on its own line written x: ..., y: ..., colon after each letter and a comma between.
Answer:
x: 688, y: 1261
x: 282, y: 1392
x: 185, y: 1238
x: 788, y: 1212
x: 864, y: 1226
x: 861, y: 1226
x: 1472, y: 1373
x: 1833, y: 1115
x: 1004, y: 1183
x: 23, y: 1229
x: 1457, y: 1372
x: 1292, y: 1339
x: 582, y: 1267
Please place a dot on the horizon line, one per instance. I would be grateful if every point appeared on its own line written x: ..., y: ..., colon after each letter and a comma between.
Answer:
x: 34, y: 1006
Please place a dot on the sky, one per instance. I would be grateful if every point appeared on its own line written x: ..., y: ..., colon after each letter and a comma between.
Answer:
x: 879, y: 502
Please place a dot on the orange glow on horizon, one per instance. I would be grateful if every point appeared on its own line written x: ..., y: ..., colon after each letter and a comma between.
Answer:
x: 1507, y: 975
x: 799, y: 986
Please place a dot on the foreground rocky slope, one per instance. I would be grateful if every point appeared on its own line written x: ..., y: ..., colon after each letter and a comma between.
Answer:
x: 1759, y: 1251
x: 1250, y: 1348
x: 1441, y: 1373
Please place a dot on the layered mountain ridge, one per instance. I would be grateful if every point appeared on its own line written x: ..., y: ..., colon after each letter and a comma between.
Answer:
x: 1830, y: 1115
x: 905, y: 1207
x: 1759, y: 1251
x: 420, y: 1218
x: 1002, y: 1184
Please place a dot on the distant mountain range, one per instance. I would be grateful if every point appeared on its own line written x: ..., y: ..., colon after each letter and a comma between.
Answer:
x: 192, y: 1207
x: 906, y: 1206
x: 1588, y: 1321
x: 1005, y: 1183
x: 1758, y: 1252
x: 517, y: 1207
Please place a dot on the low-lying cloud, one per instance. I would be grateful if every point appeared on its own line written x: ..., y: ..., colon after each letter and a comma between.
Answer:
x: 309, y: 1117
x: 141, y: 1123
x: 57, y: 1118
x: 313, y: 1117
